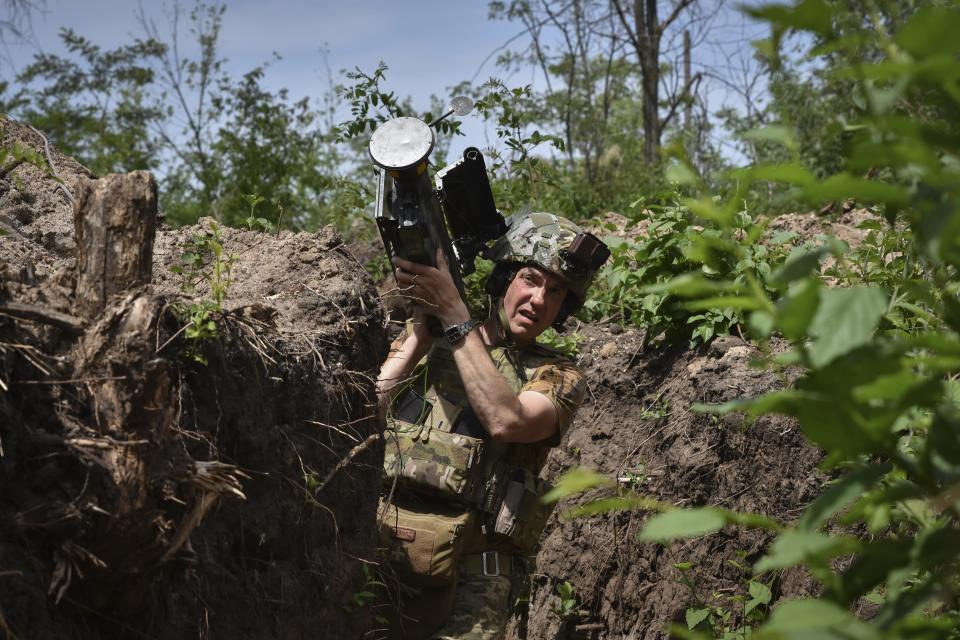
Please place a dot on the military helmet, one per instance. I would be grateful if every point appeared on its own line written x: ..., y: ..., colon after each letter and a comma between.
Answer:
x: 554, y: 244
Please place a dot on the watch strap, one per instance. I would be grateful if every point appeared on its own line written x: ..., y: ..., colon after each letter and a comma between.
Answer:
x: 457, y: 332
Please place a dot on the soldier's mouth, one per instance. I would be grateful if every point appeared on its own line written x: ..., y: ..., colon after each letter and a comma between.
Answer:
x: 532, y: 317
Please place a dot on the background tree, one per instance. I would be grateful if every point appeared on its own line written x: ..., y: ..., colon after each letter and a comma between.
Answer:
x: 95, y: 104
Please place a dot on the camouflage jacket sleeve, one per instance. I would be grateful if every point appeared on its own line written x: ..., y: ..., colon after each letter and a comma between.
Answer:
x: 565, y: 385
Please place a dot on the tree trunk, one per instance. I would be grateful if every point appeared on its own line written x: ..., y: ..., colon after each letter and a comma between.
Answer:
x: 115, y: 220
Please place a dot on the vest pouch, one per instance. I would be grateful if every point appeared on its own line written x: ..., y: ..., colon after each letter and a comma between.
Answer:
x: 521, y: 515
x: 431, y: 462
x: 424, y: 542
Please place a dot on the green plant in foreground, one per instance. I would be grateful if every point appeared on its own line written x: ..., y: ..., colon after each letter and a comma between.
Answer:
x: 204, y: 259
x: 566, y: 343
x: 253, y: 222
x: 365, y: 595
x: 568, y: 605
x: 879, y: 392
x: 718, y: 616
x: 638, y: 285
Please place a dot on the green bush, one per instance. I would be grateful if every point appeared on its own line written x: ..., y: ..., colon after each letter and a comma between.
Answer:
x: 644, y: 282
x: 878, y: 344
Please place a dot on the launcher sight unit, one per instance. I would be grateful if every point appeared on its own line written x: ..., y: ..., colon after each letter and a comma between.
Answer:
x: 414, y: 217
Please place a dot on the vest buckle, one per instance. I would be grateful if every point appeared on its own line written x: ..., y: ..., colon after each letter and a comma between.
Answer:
x: 488, y: 557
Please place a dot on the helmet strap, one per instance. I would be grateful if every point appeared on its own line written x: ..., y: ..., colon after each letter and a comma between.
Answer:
x: 503, y: 325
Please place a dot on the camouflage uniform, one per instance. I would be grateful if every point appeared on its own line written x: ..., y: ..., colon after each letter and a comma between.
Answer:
x: 480, y: 599
x: 481, y: 608
x: 480, y: 604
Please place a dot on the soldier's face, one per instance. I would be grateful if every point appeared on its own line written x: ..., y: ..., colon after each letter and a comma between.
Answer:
x: 532, y: 302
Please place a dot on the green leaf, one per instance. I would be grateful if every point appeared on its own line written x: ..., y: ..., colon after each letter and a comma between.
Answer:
x: 808, y: 15
x: 840, y: 494
x: 800, y: 264
x: 931, y: 31
x: 610, y: 505
x: 680, y: 173
x: 818, y: 617
x: 683, y: 523
x: 845, y: 320
x: 614, y: 242
x: 942, y: 452
x: 689, y: 285
x: 725, y: 302
x: 796, y: 310
x: 696, y: 616
x: 748, y: 303
x: 796, y: 546
x: 761, y: 324
x: 843, y: 186
x: 871, y: 567
x: 707, y: 209
x: 782, y: 237
x: 760, y: 592
x: 576, y: 480
x: 783, y: 135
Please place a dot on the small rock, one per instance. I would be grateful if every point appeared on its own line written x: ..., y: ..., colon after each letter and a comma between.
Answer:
x: 724, y: 343
x: 310, y: 255
x: 695, y: 367
x: 608, y: 349
x: 328, y: 267
x: 739, y: 352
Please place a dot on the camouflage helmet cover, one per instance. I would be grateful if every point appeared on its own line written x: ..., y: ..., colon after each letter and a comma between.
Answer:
x: 542, y: 239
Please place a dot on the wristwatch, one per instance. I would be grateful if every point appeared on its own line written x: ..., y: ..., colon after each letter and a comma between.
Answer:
x: 457, y: 332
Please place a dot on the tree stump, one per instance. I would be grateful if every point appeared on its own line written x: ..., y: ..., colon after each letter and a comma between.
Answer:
x: 115, y: 220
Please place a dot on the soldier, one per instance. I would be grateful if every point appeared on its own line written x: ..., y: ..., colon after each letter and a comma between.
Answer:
x: 471, y: 417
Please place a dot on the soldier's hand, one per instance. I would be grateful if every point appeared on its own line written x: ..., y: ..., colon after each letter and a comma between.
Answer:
x: 432, y: 289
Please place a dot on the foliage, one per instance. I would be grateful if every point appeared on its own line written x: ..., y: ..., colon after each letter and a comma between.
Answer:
x: 610, y: 89
x: 521, y: 174
x: 879, y: 349
x: 880, y: 354
x: 566, y: 343
x: 568, y: 605
x: 719, y: 614
x: 366, y: 594
x: 16, y: 154
x: 254, y: 200
x: 371, y: 106
x: 203, y: 260
x: 94, y: 104
x: 643, y: 282
x: 212, y: 138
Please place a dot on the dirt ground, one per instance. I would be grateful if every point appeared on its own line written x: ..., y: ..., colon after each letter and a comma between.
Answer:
x: 637, y: 427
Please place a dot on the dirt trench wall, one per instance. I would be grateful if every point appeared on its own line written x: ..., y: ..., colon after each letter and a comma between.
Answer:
x: 158, y: 486
x: 637, y: 426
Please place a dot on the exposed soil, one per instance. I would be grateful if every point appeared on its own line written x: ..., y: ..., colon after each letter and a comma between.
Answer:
x: 637, y: 426
x: 146, y: 494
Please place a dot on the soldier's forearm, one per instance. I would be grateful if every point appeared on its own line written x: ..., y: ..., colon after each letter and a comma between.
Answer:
x: 507, y: 417
x: 399, y: 365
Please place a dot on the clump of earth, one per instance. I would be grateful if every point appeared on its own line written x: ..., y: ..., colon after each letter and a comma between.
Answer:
x: 160, y: 486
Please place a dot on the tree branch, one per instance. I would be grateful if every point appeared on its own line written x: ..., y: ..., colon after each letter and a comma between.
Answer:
x: 677, y: 10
